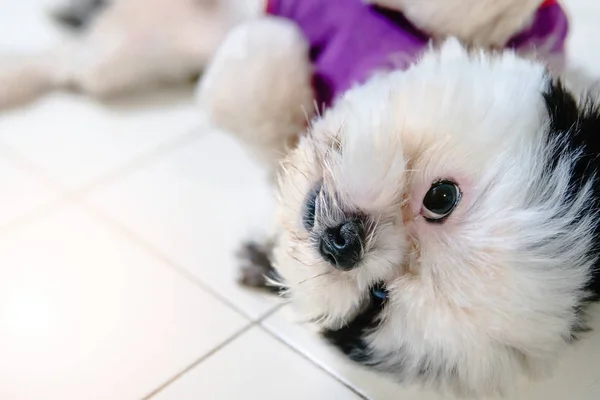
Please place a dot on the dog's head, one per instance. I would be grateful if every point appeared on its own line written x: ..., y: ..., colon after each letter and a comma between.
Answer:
x: 438, y: 223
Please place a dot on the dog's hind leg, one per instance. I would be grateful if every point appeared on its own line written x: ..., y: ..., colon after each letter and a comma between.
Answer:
x: 129, y: 46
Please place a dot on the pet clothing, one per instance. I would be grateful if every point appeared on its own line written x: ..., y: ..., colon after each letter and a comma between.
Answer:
x: 350, y: 40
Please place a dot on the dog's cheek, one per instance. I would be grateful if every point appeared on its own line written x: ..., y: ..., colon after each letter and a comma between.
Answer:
x: 427, y: 341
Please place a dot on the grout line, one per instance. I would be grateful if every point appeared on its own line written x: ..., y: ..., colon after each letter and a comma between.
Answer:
x: 111, y: 175
x: 34, y: 214
x: 139, y: 161
x: 184, y: 371
x: 26, y: 165
x: 309, y: 359
x: 65, y: 195
x: 269, y: 313
x: 213, y: 351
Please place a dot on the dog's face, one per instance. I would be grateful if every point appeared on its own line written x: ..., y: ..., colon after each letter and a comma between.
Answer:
x: 431, y: 227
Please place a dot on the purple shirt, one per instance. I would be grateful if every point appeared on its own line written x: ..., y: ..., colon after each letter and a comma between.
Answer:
x: 350, y: 40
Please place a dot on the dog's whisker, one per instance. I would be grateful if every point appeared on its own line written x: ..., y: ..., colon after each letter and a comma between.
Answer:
x: 313, y: 277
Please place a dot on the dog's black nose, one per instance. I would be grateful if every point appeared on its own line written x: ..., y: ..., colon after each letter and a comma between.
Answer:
x: 342, y: 245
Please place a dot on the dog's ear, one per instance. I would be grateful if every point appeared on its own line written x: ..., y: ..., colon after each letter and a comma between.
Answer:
x: 574, y: 133
x: 561, y: 105
x: 573, y: 115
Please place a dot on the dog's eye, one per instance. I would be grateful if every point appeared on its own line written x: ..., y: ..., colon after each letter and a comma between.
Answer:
x: 308, y: 214
x: 440, y: 200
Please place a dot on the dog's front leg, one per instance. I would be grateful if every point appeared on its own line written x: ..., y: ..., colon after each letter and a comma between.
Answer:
x: 258, y: 87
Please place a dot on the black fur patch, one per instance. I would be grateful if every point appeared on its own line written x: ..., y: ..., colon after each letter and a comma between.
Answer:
x: 574, y: 132
x: 350, y: 339
x: 257, y: 271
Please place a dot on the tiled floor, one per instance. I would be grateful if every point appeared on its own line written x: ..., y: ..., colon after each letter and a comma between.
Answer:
x: 118, y: 224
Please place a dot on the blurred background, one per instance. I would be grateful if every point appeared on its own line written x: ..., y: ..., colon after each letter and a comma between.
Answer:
x: 119, y: 222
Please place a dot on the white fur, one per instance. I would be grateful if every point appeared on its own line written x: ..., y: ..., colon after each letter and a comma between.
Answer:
x: 489, y: 294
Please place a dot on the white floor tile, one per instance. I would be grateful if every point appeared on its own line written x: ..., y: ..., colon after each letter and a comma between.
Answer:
x: 255, y: 366
x: 86, y: 314
x: 197, y: 205
x: 76, y: 139
x: 21, y: 192
x: 578, y: 376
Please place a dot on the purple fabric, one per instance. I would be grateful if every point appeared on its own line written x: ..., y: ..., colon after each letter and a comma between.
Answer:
x: 350, y: 40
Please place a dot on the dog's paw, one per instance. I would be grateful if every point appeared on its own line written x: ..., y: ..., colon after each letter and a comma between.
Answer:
x: 256, y: 269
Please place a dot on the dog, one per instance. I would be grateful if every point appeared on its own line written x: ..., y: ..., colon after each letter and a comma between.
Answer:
x: 441, y: 224
x: 438, y: 223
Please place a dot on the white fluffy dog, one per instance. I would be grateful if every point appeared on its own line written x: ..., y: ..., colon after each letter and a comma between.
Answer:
x: 441, y: 224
